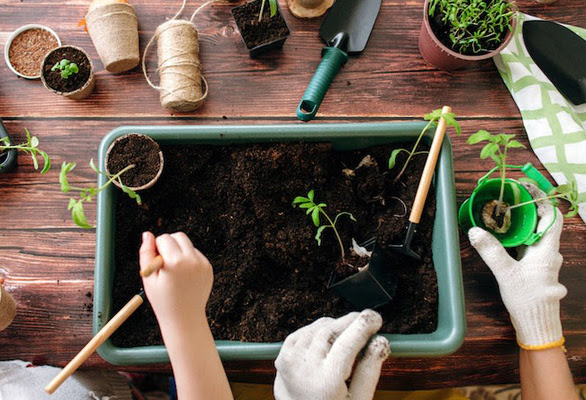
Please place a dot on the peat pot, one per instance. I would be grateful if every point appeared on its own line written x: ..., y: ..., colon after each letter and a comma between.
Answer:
x: 451, y: 327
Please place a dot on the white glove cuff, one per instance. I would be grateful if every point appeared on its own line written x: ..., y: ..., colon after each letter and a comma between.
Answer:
x: 539, y: 326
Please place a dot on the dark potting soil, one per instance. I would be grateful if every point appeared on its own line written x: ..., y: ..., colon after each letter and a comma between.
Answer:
x: 255, y: 33
x: 441, y: 31
x: 350, y: 265
x: 73, y: 82
x: 139, y: 151
x: 270, y: 274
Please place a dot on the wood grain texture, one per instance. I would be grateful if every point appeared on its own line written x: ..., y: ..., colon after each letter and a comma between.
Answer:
x: 48, y: 263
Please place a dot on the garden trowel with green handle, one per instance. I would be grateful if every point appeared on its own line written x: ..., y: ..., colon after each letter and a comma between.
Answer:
x: 346, y: 30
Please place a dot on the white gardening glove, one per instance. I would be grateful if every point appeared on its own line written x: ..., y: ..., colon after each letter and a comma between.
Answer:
x: 316, y: 360
x: 529, y: 287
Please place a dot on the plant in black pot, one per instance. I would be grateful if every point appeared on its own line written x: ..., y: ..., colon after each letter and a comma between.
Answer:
x: 457, y: 33
x: 261, y: 25
x: 8, y: 151
x: 362, y: 278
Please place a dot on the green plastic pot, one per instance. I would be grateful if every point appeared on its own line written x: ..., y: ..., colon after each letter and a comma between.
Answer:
x: 523, y: 219
x: 451, y: 328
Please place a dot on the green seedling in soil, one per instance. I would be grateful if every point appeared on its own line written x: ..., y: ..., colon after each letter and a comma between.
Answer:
x: 315, y: 210
x: 86, y: 194
x: 272, y: 4
x: 497, y: 148
x: 31, y: 147
x: 66, y: 67
x: 472, y: 22
x: 433, y: 118
x: 567, y: 192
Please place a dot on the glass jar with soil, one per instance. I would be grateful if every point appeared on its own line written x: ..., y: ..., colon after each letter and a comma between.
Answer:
x: 76, y: 85
x: 482, y: 35
x: 264, y: 34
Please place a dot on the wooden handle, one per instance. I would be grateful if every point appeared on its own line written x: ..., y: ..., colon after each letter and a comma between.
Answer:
x: 429, y: 169
x: 96, y: 342
x: 155, y: 265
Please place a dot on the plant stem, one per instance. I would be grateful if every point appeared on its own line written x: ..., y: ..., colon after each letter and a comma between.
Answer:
x: 262, y: 8
x: 336, y: 232
x: 412, y: 152
x: 553, y: 196
x: 503, y: 157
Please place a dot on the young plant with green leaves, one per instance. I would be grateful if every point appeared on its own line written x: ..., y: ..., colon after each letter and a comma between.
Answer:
x: 473, y: 24
x: 433, y: 118
x: 497, y: 148
x: 567, y: 192
x: 66, y: 67
x: 272, y: 5
x: 31, y: 147
x: 86, y: 194
x: 317, y: 209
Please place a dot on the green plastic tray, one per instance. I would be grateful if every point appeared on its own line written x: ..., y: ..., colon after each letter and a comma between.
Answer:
x: 446, y: 250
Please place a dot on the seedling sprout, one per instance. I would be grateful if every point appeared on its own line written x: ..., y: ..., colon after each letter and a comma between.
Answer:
x: 66, y: 67
x: 31, y: 147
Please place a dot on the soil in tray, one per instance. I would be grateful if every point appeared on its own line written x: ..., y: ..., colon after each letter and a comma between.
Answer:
x: 255, y: 33
x: 73, y: 82
x: 270, y: 274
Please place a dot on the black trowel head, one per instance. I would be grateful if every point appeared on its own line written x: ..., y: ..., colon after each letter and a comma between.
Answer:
x: 560, y: 54
x: 355, y: 18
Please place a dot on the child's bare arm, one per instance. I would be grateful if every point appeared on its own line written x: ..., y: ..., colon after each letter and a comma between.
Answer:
x: 178, y: 293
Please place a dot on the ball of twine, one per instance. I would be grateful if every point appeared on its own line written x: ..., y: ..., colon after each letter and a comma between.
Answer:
x: 180, y: 78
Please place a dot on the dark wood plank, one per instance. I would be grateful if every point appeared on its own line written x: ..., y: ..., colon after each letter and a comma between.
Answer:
x: 389, y: 79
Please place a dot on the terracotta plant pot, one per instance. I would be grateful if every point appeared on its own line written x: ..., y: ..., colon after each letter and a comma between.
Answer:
x: 113, y: 27
x: 444, y: 58
x: 7, y: 308
x: 76, y: 93
x: 131, y: 149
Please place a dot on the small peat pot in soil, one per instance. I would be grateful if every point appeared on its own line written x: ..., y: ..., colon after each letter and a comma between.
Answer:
x: 7, y: 157
x: 27, y: 47
x: 261, y: 25
x: 142, y: 158
x: 7, y: 308
x: 455, y: 34
x: 68, y: 71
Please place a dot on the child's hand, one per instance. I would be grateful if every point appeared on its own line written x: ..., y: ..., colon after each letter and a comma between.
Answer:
x: 179, y: 291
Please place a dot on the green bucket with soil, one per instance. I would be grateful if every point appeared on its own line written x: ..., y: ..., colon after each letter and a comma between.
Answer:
x: 514, y: 228
x: 443, y: 243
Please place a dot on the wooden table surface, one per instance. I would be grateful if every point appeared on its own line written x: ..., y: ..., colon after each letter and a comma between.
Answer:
x: 48, y: 263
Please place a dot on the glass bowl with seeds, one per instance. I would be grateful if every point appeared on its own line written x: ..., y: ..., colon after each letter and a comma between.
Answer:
x: 26, y: 48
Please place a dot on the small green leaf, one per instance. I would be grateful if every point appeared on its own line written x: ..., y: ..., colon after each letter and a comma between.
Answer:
x: 131, y: 193
x: 273, y: 4
x: 310, y: 195
x: 34, y: 142
x: 489, y: 150
x: 78, y: 216
x: 46, y: 162
x: 65, y: 169
x: 318, y: 234
x: 300, y: 199
x: 310, y: 210
x: 478, y: 137
x: 71, y: 204
x: 305, y: 205
x: 315, y: 216
x: 393, y: 157
x: 515, y: 144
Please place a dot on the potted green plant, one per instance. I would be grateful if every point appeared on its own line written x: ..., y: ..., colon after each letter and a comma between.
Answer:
x: 457, y: 33
x: 68, y: 71
x: 8, y: 151
x: 133, y: 163
x: 503, y: 205
x: 262, y: 28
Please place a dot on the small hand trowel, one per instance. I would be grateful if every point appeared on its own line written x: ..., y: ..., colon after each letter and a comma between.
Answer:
x: 345, y: 29
x: 560, y: 54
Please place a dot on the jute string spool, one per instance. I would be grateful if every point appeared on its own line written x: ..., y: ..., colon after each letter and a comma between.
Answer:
x: 113, y: 28
x: 180, y: 78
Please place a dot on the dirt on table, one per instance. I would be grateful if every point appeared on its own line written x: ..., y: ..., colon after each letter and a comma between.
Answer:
x: 270, y: 274
x: 73, y: 82
x: 137, y: 150
x: 255, y: 32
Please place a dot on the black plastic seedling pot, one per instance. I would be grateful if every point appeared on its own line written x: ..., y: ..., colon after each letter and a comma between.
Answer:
x: 372, y: 287
x: 7, y: 158
x: 274, y: 43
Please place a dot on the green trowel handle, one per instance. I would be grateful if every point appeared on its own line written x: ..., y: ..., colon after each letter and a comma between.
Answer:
x: 332, y: 60
x: 542, y: 183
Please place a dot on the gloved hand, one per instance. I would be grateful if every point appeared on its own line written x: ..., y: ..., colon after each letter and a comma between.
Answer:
x: 316, y: 360
x: 529, y: 286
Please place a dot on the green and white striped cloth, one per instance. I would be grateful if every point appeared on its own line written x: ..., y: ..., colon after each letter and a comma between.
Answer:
x: 556, y: 128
